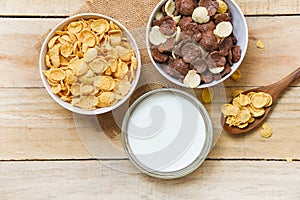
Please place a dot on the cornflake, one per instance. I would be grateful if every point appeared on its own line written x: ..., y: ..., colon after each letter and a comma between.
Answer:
x: 266, y: 131
x: 236, y: 76
x: 222, y: 7
x: 260, y: 44
x: 208, y: 95
x: 91, y: 64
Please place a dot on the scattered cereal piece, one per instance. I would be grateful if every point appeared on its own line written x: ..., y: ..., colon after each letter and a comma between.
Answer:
x: 266, y: 131
x: 223, y: 29
x: 289, y: 160
x: 236, y: 76
x: 260, y: 44
x: 192, y: 79
x: 208, y: 95
x: 200, y: 15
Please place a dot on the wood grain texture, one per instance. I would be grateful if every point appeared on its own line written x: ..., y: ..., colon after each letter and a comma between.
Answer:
x: 33, y: 126
x: 39, y: 8
x: 267, y: 7
x: 243, y: 180
x: 34, y: 129
x: 68, y: 7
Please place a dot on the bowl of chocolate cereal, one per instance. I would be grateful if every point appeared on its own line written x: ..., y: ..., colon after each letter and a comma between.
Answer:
x: 89, y: 63
x: 197, y: 43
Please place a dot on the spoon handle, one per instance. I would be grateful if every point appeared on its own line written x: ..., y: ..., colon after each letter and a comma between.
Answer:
x: 276, y: 88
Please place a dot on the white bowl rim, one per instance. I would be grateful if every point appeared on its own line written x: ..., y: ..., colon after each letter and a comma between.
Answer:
x: 213, y: 83
x: 68, y: 105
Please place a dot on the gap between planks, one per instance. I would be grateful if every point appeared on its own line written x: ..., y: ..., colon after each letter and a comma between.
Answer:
x: 126, y: 159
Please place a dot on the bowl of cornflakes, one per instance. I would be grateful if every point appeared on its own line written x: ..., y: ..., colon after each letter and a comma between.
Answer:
x: 90, y: 63
x: 197, y: 43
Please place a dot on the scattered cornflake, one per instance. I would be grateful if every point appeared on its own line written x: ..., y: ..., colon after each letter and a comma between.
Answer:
x: 260, y: 44
x: 289, y: 160
x: 208, y: 95
x: 236, y: 76
x: 266, y: 131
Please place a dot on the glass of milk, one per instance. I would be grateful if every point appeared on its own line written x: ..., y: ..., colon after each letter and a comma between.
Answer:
x: 167, y: 133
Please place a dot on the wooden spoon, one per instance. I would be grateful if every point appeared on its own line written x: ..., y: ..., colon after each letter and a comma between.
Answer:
x: 274, y: 90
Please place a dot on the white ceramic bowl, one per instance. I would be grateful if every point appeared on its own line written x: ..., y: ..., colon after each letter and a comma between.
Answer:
x: 240, y: 30
x: 42, y: 64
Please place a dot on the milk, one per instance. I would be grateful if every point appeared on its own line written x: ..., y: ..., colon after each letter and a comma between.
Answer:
x: 166, y: 132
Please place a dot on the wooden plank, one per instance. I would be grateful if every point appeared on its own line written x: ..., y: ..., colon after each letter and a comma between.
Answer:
x: 39, y: 8
x: 111, y: 180
x: 262, y: 67
x: 19, y: 66
x: 266, y: 7
x: 36, y: 127
x: 33, y: 126
x: 278, y: 59
x: 68, y: 7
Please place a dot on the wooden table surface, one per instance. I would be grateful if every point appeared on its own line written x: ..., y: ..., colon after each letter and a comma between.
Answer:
x: 42, y: 156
